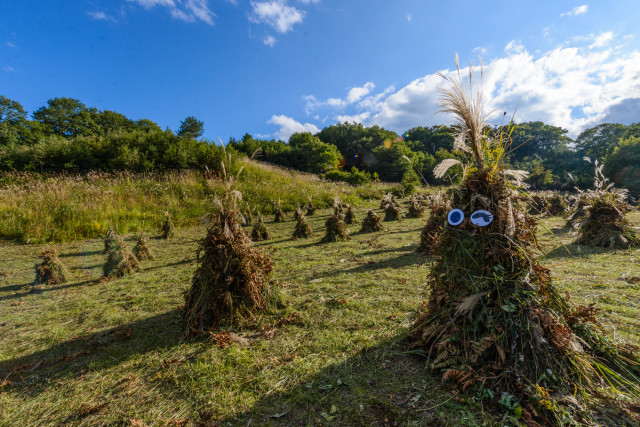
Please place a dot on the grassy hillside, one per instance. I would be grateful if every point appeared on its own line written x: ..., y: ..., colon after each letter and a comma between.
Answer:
x: 38, y: 208
x: 91, y: 352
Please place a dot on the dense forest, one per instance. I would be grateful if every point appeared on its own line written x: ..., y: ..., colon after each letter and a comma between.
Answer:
x: 66, y: 135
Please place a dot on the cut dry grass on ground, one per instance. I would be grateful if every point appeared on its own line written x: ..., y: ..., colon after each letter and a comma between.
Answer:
x: 96, y: 353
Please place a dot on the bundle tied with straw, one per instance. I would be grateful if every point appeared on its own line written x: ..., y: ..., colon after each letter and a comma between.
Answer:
x: 494, y: 320
x: 231, y: 283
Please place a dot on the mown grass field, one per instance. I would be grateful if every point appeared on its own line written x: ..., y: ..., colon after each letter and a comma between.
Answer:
x: 93, y: 352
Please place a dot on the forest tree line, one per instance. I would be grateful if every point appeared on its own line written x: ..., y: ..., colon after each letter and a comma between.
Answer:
x: 66, y: 135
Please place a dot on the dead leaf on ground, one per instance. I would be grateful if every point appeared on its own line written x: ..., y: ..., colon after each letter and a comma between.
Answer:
x: 292, y: 318
x: 179, y: 423
x: 17, y: 303
x: 88, y: 408
x: 225, y: 338
x: 136, y: 423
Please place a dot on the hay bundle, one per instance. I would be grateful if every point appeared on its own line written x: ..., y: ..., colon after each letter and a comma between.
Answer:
x: 349, y: 216
x: 579, y: 203
x: 434, y: 225
x: 494, y: 322
x: 302, y: 229
x: 51, y: 271
x: 311, y: 210
x: 120, y: 262
x: 259, y: 231
x: 297, y: 213
x: 336, y: 229
x: 167, y: 227
x: 605, y: 224
x: 372, y: 222
x: 141, y: 249
x: 538, y: 204
x: 279, y: 214
x: 555, y: 204
x: 232, y: 279
x: 248, y: 216
x: 338, y: 206
x: 416, y: 208
x: 392, y: 212
x: 387, y: 200
x: 112, y: 240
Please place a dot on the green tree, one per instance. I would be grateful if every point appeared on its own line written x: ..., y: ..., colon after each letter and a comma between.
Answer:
x: 538, y: 138
x: 191, y: 127
x: 147, y: 125
x: 308, y: 153
x: 111, y: 121
x: 600, y: 140
x: 622, y: 165
x: 13, y: 121
x: 67, y: 117
x: 430, y: 140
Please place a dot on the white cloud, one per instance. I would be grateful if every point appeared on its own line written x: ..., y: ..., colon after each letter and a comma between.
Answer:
x: 276, y: 14
x: 573, y: 87
x: 269, y: 41
x: 184, y: 10
x: 11, y: 45
x: 309, y: 1
x: 9, y: 69
x: 479, y: 49
x: 101, y: 16
x: 354, y: 95
x: 409, y: 17
x: 602, y: 39
x: 289, y: 126
x: 578, y: 10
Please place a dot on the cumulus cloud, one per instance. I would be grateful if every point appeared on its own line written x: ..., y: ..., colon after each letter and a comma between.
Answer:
x: 568, y: 86
x: 184, y: 10
x: 101, y: 16
x: 602, y: 39
x: 355, y: 94
x: 289, y: 126
x: 276, y: 14
x: 578, y: 10
x: 269, y: 41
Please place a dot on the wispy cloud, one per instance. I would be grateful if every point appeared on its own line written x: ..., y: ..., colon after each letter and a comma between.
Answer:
x: 101, y: 16
x: 308, y: 1
x: 269, y: 41
x: 409, y: 17
x: 184, y: 10
x: 479, y: 50
x: 573, y: 87
x: 578, y: 10
x: 289, y: 126
x: 9, y: 69
x: 11, y: 45
x: 276, y: 14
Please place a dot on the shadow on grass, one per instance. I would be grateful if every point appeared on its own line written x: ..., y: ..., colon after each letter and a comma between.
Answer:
x: 46, y: 288
x: 380, y: 385
x: 575, y: 251
x: 77, y: 254
x: 102, y: 350
x: 407, y: 259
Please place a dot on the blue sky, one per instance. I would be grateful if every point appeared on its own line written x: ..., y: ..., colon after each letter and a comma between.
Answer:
x: 275, y: 67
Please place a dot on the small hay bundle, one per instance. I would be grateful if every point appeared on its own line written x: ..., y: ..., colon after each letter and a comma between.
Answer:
x: 555, y: 204
x: 336, y: 229
x: 605, y: 224
x: 297, y: 213
x: 311, y: 210
x: 538, y: 204
x: 248, y: 216
x: 279, y: 214
x: 349, y: 216
x: 579, y: 212
x: 433, y: 227
x: 338, y: 206
x: 372, y: 222
x: 141, y: 249
x: 51, y: 271
x: 231, y: 282
x: 112, y: 240
x: 302, y: 229
x: 259, y: 231
x: 167, y: 228
x: 387, y: 200
x: 416, y: 208
x: 392, y: 212
x: 119, y: 263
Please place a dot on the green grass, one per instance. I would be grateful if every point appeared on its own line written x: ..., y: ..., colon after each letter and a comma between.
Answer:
x: 67, y: 357
x: 61, y: 208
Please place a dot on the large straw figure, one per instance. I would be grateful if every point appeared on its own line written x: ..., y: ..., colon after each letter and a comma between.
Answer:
x: 494, y: 322
x: 232, y: 279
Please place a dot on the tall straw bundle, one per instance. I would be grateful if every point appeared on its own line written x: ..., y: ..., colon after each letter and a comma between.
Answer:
x: 302, y: 229
x: 416, y: 208
x: 232, y: 279
x: 120, y: 262
x: 392, y: 212
x: 259, y: 231
x: 112, y: 240
x: 141, y: 249
x: 279, y: 214
x: 167, y: 226
x: 349, y: 216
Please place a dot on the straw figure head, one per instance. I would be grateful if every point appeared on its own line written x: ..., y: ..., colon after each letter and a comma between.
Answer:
x: 494, y: 320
